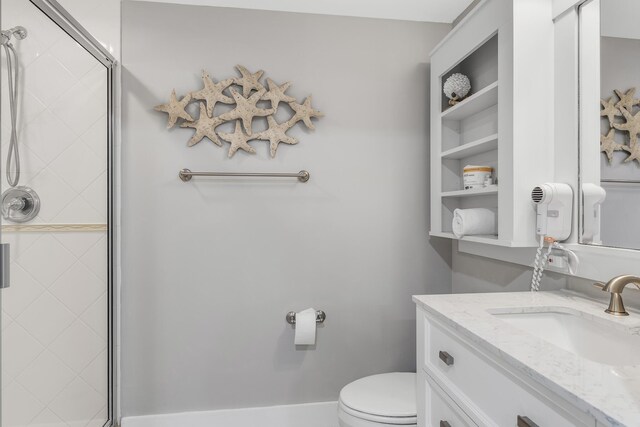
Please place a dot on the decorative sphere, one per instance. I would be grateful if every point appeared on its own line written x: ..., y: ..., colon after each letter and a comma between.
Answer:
x: 457, y: 86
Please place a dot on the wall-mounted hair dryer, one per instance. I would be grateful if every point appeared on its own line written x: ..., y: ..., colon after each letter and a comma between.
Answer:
x: 592, y: 197
x: 554, y: 207
x: 554, y: 204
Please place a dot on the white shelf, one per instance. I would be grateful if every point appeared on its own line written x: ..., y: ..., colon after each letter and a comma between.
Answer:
x: 476, y: 239
x: 477, y: 102
x: 483, y: 145
x: 473, y: 192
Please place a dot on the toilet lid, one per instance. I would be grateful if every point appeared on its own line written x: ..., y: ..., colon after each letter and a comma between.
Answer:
x: 387, y: 395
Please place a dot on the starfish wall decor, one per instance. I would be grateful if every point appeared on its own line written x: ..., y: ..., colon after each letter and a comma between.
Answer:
x: 609, y: 110
x: 247, y: 107
x: 614, y: 112
x: 175, y: 109
x: 632, y: 126
x: 608, y: 144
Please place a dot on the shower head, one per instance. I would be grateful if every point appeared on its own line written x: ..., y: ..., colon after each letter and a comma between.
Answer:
x: 18, y: 32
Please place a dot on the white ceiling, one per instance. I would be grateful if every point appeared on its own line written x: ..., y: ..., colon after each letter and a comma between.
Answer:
x: 412, y: 10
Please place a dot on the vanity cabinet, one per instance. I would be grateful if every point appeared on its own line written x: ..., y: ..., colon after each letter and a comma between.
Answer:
x: 441, y: 409
x: 459, y: 385
x: 506, y: 48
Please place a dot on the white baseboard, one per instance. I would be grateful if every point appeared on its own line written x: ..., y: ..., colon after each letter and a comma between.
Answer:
x: 324, y: 414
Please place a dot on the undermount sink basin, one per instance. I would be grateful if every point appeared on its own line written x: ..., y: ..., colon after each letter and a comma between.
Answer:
x: 600, y: 341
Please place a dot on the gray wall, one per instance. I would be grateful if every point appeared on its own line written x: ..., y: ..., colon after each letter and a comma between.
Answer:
x: 211, y: 267
x: 473, y: 273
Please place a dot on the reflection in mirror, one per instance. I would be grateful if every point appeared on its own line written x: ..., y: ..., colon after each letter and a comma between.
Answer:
x: 611, y: 197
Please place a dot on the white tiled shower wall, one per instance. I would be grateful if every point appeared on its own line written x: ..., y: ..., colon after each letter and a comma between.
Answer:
x: 54, y: 315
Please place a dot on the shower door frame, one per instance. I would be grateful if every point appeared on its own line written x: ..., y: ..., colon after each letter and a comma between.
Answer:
x: 54, y: 11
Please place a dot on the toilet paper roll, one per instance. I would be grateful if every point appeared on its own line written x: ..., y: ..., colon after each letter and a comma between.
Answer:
x: 306, y: 327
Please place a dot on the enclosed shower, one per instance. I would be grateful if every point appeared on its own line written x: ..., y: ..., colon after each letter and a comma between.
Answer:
x: 56, y: 228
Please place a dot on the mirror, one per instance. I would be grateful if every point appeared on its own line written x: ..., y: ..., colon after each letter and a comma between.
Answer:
x: 610, y: 123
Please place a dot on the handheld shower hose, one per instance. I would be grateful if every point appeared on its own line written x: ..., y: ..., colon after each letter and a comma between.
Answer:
x: 13, y: 76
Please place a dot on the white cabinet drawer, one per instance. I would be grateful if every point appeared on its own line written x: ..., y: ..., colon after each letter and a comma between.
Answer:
x: 441, y: 410
x: 480, y: 387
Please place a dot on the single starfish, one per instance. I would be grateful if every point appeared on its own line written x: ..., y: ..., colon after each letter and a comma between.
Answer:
x: 626, y: 99
x: 175, y: 109
x: 204, y: 126
x: 304, y: 112
x: 246, y: 109
x: 277, y: 94
x: 634, y: 153
x: 238, y: 140
x: 632, y: 126
x: 248, y: 81
x: 213, y: 92
x: 608, y: 144
x: 609, y: 109
x: 276, y: 134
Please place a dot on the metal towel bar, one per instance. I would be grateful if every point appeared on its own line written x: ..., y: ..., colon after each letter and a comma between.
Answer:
x: 186, y: 175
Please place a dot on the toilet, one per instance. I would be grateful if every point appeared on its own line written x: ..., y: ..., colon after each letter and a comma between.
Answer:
x: 379, y: 400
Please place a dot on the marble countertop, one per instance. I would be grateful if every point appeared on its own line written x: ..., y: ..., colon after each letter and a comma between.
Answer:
x: 609, y: 393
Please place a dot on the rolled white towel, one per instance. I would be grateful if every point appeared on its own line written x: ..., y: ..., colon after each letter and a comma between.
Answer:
x: 469, y: 222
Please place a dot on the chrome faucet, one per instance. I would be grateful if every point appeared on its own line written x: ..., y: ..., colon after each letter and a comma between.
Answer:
x: 615, y: 286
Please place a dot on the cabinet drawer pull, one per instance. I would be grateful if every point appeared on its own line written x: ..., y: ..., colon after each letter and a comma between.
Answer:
x: 446, y: 358
x: 444, y: 424
x: 525, y: 422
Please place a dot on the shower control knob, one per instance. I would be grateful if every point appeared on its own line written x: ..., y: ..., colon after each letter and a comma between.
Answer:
x: 20, y: 204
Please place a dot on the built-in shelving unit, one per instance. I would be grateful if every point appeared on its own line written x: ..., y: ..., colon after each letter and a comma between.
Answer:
x: 468, y: 136
x: 504, y: 123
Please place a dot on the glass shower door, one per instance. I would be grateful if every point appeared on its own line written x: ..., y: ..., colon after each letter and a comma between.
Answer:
x: 54, y: 215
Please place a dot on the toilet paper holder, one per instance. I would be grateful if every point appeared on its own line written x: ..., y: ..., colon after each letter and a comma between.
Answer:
x: 320, y: 317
